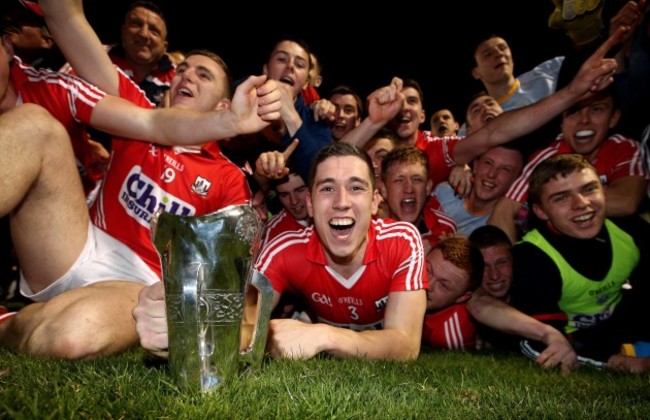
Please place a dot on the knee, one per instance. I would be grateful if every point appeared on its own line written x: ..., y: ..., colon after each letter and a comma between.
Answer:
x: 79, y: 332
x: 33, y: 124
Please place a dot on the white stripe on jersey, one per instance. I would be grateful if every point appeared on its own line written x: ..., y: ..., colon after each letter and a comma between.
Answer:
x: 271, y: 225
x: 88, y: 93
x: 637, y: 161
x: 445, y: 219
x: 453, y: 333
x: 414, y: 263
x: 279, y: 243
x: 519, y: 188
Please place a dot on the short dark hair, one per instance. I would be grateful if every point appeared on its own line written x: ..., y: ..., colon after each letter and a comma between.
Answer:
x: 462, y: 253
x: 217, y: 59
x: 149, y: 5
x: 340, y: 149
x: 404, y: 154
x: 551, y: 168
x: 383, y: 133
x: 412, y: 83
x: 474, y: 97
x: 487, y: 236
x: 347, y: 90
x: 291, y: 38
x: 273, y: 183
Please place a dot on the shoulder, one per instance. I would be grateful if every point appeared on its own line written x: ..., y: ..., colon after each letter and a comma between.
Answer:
x: 444, y: 191
x: 388, y: 228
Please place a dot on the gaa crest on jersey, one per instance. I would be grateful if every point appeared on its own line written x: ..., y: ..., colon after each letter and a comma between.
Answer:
x: 201, y: 186
x: 141, y: 197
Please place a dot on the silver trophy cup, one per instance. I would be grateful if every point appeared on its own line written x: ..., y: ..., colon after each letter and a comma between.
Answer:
x: 217, y: 323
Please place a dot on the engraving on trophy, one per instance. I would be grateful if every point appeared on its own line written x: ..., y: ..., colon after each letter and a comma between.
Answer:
x: 220, y: 307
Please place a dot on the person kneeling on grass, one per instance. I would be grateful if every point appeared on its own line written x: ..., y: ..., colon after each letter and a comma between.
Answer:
x: 362, y: 277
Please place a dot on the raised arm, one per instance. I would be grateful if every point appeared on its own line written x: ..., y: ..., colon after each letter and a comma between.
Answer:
x: 594, y: 75
x: 255, y: 103
x: 383, y: 104
x: 79, y: 43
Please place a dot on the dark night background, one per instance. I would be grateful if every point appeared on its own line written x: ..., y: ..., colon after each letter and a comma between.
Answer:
x: 430, y: 42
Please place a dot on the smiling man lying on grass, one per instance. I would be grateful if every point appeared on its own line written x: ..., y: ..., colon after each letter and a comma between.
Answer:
x: 362, y: 278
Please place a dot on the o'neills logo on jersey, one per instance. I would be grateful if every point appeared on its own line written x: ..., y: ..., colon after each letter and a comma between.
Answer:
x: 380, y: 304
x: 141, y: 197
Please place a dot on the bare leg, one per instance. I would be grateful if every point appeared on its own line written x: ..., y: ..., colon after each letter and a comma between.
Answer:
x: 41, y: 190
x: 81, y: 323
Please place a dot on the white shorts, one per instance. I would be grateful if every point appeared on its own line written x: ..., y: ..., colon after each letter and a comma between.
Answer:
x: 103, y: 258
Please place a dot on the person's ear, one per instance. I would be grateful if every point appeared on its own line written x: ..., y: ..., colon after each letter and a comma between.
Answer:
x: 376, y: 199
x: 476, y: 74
x: 310, y: 207
x: 539, y: 212
x: 464, y: 297
x: 616, y: 117
x: 382, y: 189
x: 8, y: 45
x: 222, y: 105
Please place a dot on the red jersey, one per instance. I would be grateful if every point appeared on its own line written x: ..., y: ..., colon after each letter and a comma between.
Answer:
x: 616, y: 158
x: 143, y: 177
x: 424, y: 137
x: 280, y: 223
x: 436, y: 221
x: 440, y: 152
x: 156, y: 83
x: 310, y: 95
x: 393, y: 262
x: 450, y: 328
x: 70, y: 100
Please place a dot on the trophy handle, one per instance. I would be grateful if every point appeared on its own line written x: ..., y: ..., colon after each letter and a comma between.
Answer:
x: 254, y: 353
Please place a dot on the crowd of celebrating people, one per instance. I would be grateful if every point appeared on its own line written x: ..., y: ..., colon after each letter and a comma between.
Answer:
x: 520, y: 226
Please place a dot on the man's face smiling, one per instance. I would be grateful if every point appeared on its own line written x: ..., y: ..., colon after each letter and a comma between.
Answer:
x: 586, y: 126
x: 144, y: 36
x: 494, y: 172
x: 447, y: 283
x: 342, y: 202
x: 347, y: 115
x: 199, y: 84
x: 293, y: 196
x: 574, y: 205
x: 497, y: 271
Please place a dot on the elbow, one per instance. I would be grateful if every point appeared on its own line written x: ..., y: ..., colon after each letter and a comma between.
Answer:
x: 474, y: 307
x: 410, y: 353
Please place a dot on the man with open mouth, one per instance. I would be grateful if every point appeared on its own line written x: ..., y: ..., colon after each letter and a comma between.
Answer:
x: 586, y: 130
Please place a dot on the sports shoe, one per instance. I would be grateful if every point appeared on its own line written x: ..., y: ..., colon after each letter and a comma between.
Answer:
x: 531, y: 349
